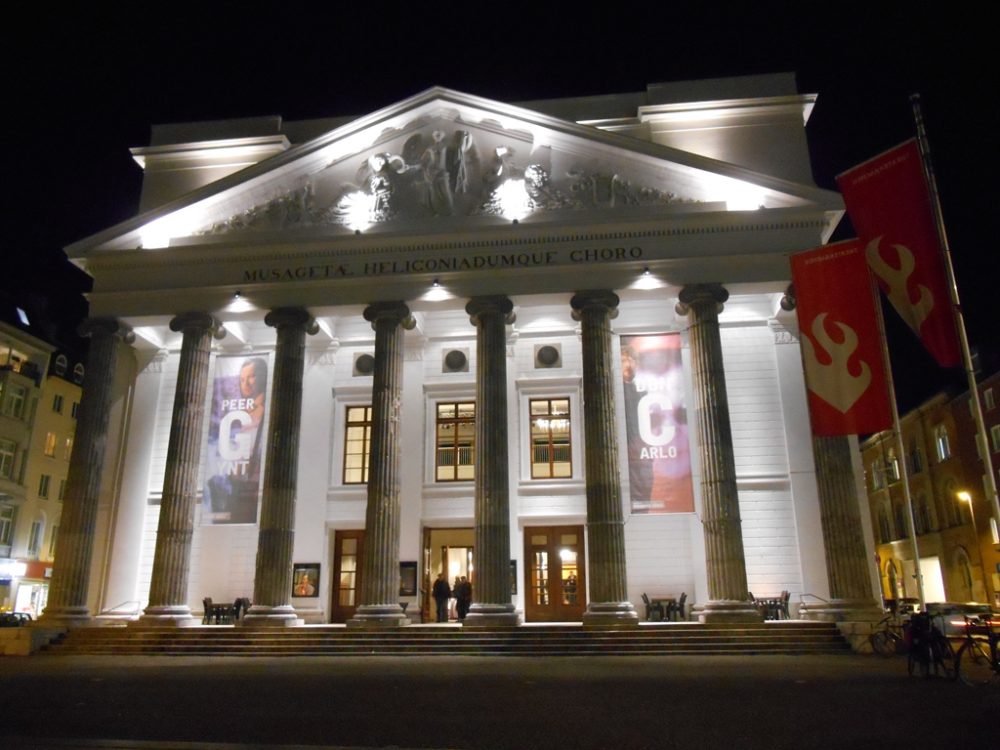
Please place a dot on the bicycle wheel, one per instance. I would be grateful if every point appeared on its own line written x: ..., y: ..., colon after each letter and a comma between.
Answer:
x: 973, y: 663
x: 883, y: 644
x: 944, y: 659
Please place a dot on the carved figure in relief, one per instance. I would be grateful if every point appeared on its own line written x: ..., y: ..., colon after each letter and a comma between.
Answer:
x: 435, y: 190
x: 459, y: 157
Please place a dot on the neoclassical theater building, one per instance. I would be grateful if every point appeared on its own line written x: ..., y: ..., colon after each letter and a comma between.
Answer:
x: 541, y: 346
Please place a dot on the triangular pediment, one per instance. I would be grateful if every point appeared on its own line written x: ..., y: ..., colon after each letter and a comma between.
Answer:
x: 443, y: 157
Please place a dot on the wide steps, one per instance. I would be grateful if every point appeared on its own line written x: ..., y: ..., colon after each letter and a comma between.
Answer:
x: 556, y: 640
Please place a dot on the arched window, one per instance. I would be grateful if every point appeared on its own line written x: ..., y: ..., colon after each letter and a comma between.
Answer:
x: 916, y: 457
x: 892, y: 465
x: 942, y: 443
x: 899, y: 521
x: 884, y: 529
x: 78, y: 373
x: 61, y: 364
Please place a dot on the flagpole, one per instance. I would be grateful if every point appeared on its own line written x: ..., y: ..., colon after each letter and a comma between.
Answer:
x: 904, y: 473
x: 977, y: 407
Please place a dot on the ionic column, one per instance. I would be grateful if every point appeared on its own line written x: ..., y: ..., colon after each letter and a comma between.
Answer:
x: 492, y: 508
x: 168, y: 591
x: 67, y: 604
x: 851, y: 593
x: 724, y: 558
x: 608, y: 604
x: 380, y: 564
x: 272, y: 590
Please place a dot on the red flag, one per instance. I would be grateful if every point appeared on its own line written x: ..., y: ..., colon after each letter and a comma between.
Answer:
x: 890, y: 206
x: 840, y: 346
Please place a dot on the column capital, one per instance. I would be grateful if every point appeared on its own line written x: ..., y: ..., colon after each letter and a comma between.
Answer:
x: 397, y: 312
x: 197, y: 322
x: 92, y: 327
x: 701, y: 294
x: 591, y: 298
x: 291, y: 317
x: 494, y: 303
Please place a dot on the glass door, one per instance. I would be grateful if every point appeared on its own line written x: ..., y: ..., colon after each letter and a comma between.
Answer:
x: 348, y: 546
x: 555, y: 581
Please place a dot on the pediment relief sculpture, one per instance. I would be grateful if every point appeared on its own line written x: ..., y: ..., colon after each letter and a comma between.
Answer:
x: 438, y: 173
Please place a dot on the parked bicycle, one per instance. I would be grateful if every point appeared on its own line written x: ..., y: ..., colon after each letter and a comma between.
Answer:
x: 928, y: 649
x: 887, y: 636
x: 978, y: 660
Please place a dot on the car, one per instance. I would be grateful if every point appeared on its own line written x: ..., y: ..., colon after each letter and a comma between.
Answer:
x: 950, y: 616
x: 14, y: 619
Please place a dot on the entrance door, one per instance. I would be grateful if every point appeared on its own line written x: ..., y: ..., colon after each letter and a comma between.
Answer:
x: 448, y: 551
x: 555, y: 583
x: 348, y: 546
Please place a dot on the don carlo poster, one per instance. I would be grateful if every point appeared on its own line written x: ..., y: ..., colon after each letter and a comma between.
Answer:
x: 659, y: 461
x: 236, y: 429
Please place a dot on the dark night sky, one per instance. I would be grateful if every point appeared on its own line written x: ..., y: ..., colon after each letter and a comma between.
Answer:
x: 84, y: 87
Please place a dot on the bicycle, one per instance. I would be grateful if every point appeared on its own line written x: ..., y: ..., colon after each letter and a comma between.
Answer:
x: 928, y: 648
x: 978, y: 660
x: 888, y: 640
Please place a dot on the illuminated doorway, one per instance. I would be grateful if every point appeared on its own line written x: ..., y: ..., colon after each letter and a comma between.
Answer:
x: 555, y: 587
x: 448, y: 551
x: 348, y: 546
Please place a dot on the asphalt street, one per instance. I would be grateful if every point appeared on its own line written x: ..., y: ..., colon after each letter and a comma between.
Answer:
x: 772, y: 702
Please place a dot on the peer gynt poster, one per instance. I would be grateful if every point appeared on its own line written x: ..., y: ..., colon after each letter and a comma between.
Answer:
x: 659, y: 457
x: 236, y: 431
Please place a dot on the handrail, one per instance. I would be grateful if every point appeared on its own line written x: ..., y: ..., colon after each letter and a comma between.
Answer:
x: 117, y: 608
x: 804, y: 594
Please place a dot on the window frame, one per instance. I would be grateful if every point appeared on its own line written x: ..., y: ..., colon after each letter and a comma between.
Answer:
x: 8, y: 457
x: 44, y: 480
x: 365, y: 424
x: 457, y: 445
x: 942, y: 443
x: 551, y: 445
x: 57, y: 403
x: 49, y: 449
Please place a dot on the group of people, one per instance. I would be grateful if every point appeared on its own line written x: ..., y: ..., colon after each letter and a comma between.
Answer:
x: 461, y: 591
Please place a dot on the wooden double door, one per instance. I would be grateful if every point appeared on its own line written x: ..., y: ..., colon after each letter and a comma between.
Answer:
x: 555, y: 580
x: 348, y: 547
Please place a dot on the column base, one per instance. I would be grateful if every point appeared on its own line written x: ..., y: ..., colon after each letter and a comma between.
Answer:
x: 66, y: 617
x: 165, y: 617
x: 728, y: 610
x: 610, y: 615
x: 842, y: 610
x: 260, y: 616
x: 378, y: 617
x: 492, y: 615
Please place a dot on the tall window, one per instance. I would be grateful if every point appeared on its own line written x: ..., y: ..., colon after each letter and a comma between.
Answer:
x: 989, y: 399
x: 68, y: 448
x: 550, y: 438
x: 35, y: 538
x: 50, y: 444
x: 877, y: 474
x: 62, y: 489
x: 52, y: 542
x: 57, y: 403
x: 6, y: 524
x: 357, y: 444
x: 74, y: 409
x: 7, y: 451
x: 995, y: 437
x: 892, y: 465
x: 13, y: 402
x: 916, y: 457
x: 455, y: 441
x: 941, y: 441
x: 43, y: 485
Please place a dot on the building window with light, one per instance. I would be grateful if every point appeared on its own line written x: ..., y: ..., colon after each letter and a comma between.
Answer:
x: 877, y: 475
x: 68, y: 448
x: 941, y: 442
x: 50, y: 444
x: 550, y: 438
x: 357, y: 444
x: 455, y: 442
x: 892, y: 465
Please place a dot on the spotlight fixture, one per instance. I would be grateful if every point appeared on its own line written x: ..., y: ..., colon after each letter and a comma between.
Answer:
x: 435, y: 283
x: 645, y: 271
x: 237, y: 294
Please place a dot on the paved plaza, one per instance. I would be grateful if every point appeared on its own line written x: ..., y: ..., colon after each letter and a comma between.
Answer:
x: 489, y: 703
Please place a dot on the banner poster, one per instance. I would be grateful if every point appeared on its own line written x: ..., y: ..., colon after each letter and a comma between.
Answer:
x: 659, y: 459
x: 236, y: 431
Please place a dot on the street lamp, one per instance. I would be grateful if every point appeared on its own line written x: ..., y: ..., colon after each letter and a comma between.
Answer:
x: 965, y: 496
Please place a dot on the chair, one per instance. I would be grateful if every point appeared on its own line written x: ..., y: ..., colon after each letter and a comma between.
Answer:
x: 675, y: 611
x: 206, y: 603
x: 652, y: 609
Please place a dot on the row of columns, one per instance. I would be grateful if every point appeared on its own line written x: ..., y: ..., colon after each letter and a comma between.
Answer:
x: 378, y: 605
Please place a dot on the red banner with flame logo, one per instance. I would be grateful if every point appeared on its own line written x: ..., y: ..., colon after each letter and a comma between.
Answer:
x: 890, y: 207
x: 841, y: 352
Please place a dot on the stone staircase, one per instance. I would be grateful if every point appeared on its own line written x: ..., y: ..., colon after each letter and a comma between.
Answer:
x: 786, y: 637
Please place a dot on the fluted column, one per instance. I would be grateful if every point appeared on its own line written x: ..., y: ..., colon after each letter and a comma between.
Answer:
x: 379, y: 605
x: 608, y: 603
x: 851, y: 595
x: 168, y: 591
x: 492, y: 506
x: 724, y: 557
x: 67, y: 605
x: 272, y: 590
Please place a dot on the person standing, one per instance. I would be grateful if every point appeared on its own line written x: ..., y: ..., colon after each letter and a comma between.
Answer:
x: 463, y: 593
x: 441, y: 593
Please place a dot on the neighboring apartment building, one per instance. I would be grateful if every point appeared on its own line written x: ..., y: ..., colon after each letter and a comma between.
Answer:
x: 24, y: 359
x: 34, y: 538
x: 956, y: 537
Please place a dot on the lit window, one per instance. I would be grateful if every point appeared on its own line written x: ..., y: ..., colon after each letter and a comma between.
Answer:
x: 7, y: 451
x: 68, y: 448
x: 50, y: 444
x: 357, y: 444
x: 455, y: 442
x: 61, y: 364
x: 892, y: 466
x: 57, y: 403
x: 878, y: 475
x: 941, y: 442
x: 550, y: 438
x: 43, y: 485
x: 78, y: 373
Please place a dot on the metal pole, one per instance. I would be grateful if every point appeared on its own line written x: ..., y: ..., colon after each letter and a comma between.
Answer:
x: 977, y: 408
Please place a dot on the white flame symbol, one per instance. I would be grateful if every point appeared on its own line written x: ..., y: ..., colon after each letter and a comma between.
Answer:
x: 833, y: 382
x: 896, y: 278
